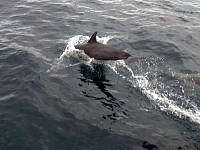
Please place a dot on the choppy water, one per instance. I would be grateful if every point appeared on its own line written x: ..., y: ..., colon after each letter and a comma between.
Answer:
x: 50, y: 99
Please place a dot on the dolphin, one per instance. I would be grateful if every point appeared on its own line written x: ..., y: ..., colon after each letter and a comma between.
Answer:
x: 100, y: 51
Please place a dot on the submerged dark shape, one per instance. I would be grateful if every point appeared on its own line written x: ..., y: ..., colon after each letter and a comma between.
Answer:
x: 100, y: 51
x: 149, y: 146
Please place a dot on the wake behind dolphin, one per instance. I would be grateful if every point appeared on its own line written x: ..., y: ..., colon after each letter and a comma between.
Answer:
x: 144, y: 76
x: 100, y: 51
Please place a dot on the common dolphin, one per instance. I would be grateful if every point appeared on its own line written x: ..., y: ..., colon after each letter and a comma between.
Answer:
x: 100, y: 51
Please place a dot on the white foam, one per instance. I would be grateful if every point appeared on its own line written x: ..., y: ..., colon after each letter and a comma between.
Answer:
x: 71, y: 51
x: 70, y: 46
x: 153, y: 93
x: 153, y: 89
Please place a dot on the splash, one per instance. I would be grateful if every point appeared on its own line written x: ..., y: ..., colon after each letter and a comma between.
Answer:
x: 71, y: 52
x: 169, y: 96
x: 160, y: 93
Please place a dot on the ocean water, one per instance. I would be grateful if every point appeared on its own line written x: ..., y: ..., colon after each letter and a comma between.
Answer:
x: 53, y: 97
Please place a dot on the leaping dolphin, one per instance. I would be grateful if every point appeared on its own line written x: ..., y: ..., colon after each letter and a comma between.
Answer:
x: 100, y: 51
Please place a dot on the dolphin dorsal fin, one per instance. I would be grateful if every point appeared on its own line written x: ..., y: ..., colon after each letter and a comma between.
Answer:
x: 93, y: 38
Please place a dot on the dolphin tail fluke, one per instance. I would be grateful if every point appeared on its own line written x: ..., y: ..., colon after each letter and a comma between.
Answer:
x: 93, y: 38
x: 134, y: 59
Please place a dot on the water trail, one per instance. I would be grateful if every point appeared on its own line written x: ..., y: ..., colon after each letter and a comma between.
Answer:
x: 168, y: 95
x: 159, y: 93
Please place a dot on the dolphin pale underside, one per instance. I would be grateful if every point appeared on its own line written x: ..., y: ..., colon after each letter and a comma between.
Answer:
x: 100, y: 51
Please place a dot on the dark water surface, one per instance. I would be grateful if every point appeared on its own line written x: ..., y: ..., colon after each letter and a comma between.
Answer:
x: 51, y: 100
